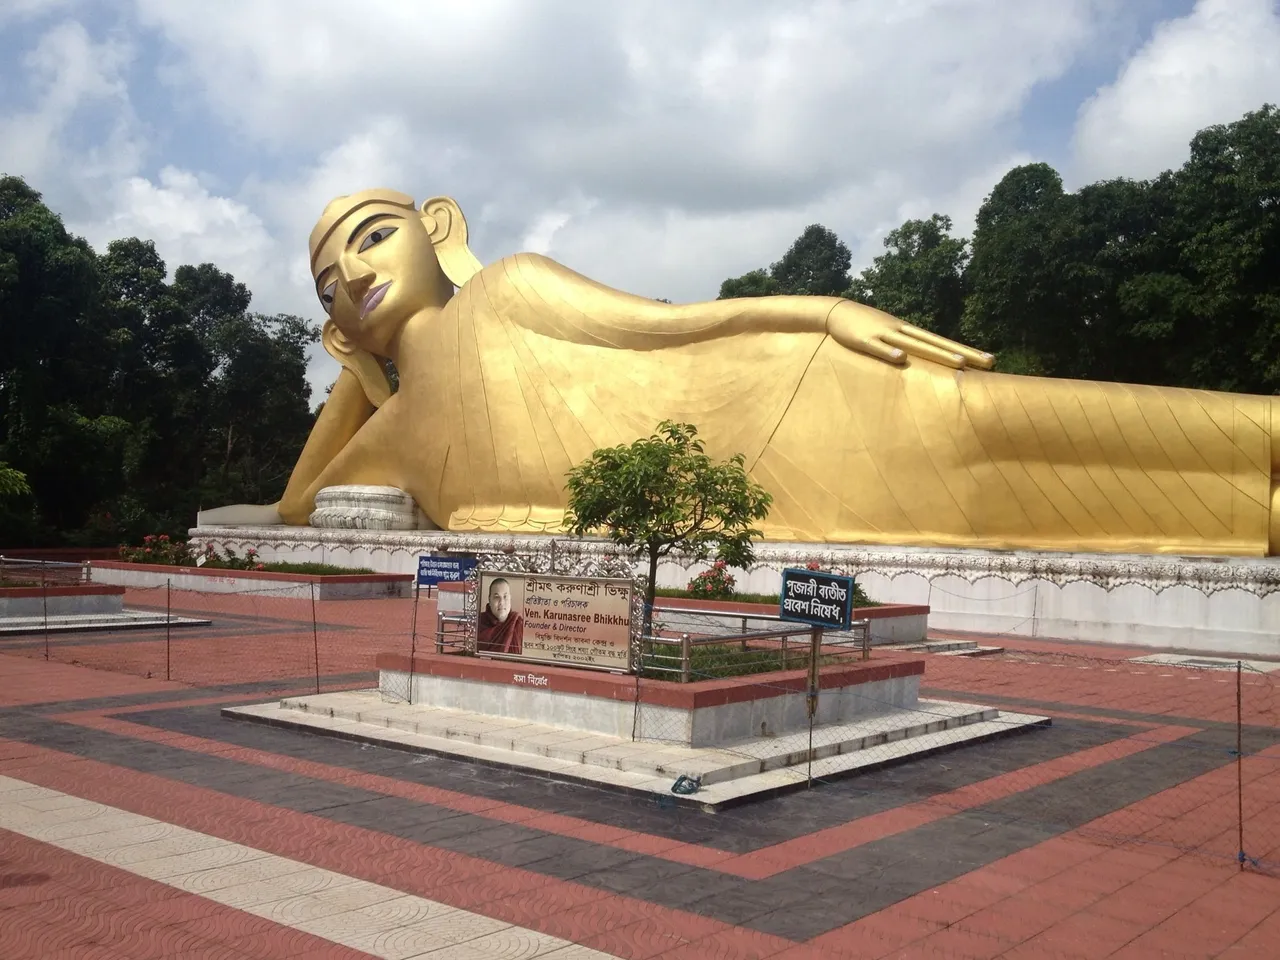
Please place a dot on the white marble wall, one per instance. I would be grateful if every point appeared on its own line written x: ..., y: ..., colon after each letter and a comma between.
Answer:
x: 1205, y: 605
x: 701, y: 727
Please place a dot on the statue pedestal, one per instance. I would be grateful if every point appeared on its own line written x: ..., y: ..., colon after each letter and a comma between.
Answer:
x: 365, y: 508
x: 1201, y: 604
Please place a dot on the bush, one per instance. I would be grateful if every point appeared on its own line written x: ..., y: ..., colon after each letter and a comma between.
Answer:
x: 714, y: 584
x: 860, y: 599
x: 178, y: 553
x: 159, y: 549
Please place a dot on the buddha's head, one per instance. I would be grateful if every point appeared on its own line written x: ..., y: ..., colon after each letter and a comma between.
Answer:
x: 377, y: 260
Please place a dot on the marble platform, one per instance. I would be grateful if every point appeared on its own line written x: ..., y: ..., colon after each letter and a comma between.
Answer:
x: 729, y: 774
x: 94, y: 622
x: 1209, y: 605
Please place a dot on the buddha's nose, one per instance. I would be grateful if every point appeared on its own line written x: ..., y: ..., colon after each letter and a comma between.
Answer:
x: 357, y: 277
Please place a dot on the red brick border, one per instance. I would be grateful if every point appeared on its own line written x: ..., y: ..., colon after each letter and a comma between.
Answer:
x: 219, y: 573
x: 597, y: 918
x: 665, y: 693
x: 756, y: 865
x: 84, y: 590
x: 86, y: 904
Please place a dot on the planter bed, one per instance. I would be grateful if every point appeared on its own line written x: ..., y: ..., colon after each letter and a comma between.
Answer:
x: 357, y: 586
x: 890, y: 622
x: 61, y: 601
x: 701, y: 713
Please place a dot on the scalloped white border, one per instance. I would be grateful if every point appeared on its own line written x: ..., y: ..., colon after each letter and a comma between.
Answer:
x: 592, y: 557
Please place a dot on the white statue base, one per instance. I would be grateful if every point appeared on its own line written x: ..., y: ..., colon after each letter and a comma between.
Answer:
x: 1205, y: 605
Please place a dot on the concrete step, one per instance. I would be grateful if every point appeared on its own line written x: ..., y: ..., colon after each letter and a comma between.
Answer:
x: 975, y: 651
x: 127, y: 620
x: 655, y: 759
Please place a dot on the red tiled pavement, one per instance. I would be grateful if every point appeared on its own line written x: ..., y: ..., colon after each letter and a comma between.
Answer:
x: 786, y: 856
x: 1086, y: 894
x: 757, y: 865
x: 55, y: 904
x: 557, y: 907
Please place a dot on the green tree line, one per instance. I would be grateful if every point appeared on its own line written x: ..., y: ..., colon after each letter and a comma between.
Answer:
x: 132, y: 400
x: 1172, y: 281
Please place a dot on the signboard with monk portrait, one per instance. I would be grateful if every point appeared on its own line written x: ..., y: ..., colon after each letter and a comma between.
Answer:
x: 571, y: 621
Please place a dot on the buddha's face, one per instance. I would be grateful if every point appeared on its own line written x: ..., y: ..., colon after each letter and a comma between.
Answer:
x: 375, y: 271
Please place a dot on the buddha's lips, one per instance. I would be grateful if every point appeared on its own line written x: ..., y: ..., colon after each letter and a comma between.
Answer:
x: 373, y: 298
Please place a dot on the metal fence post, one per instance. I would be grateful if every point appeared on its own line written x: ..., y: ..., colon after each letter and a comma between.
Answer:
x: 168, y: 627
x: 815, y: 649
x: 44, y: 597
x: 315, y: 634
x: 1240, y: 763
x: 686, y: 653
x: 413, y: 635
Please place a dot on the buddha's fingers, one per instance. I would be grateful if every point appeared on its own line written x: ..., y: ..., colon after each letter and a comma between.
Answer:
x: 925, y: 351
x: 873, y: 347
x: 973, y: 357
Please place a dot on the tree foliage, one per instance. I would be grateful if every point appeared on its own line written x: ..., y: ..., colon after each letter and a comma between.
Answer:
x: 1172, y: 281
x: 817, y: 264
x: 920, y: 276
x: 130, y: 401
x: 664, y: 493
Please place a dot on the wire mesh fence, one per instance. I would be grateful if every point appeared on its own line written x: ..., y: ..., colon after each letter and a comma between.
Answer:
x: 1173, y: 753
x: 20, y: 572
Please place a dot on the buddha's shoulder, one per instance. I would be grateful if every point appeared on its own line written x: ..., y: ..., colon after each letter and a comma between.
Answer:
x: 525, y: 268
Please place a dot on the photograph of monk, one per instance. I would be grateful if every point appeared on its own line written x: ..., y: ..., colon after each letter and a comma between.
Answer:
x: 501, y: 622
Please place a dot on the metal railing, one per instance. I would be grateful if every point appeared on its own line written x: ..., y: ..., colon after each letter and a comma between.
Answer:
x: 451, y: 632
x: 19, y: 572
x: 674, y: 653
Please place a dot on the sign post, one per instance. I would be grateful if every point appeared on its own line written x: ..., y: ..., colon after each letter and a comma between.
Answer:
x: 822, y: 600
x: 433, y: 571
x: 541, y: 618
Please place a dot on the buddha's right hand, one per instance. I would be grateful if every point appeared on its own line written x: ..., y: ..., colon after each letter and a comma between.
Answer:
x: 865, y: 329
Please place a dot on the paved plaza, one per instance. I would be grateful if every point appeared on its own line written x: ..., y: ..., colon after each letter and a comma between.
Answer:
x: 137, y: 822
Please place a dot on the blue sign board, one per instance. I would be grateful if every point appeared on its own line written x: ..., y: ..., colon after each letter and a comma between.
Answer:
x: 818, y: 599
x: 436, y: 570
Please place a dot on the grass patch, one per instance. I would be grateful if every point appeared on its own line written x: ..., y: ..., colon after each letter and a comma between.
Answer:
x: 719, y: 661
x: 310, y: 569
x: 860, y: 599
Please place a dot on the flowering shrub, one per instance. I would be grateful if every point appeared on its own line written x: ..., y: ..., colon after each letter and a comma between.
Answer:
x: 177, y: 553
x: 158, y: 549
x: 860, y: 599
x: 714, y: 584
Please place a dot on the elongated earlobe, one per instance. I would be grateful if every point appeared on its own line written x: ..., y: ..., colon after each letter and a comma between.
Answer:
x: 367, y: 368
x: 447, y: 228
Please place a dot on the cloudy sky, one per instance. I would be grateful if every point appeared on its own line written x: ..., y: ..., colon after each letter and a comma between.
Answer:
x: 655, y: 145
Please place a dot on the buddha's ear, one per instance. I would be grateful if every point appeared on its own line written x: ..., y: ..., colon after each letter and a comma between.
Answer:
x: 447, y: 228
x: 368, y: 370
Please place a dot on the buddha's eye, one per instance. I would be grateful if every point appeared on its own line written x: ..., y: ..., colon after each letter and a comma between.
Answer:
x: 376, y: 237
x: 326, y: 296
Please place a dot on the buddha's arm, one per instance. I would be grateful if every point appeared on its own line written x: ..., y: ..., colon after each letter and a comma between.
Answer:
x: 345, y: 411
x: 555, y: 301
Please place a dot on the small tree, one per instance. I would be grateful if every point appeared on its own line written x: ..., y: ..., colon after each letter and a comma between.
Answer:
x: 664, y: 493
x: 13, y: 483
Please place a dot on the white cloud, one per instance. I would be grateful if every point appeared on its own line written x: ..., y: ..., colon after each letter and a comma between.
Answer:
x: 68, y: 75
x: 17, y: 10
x: 1212, y: 66
x: 657, y: 146
x: 188, y: 224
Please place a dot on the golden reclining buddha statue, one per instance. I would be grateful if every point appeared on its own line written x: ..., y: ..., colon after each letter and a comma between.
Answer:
x: 864, y: 429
